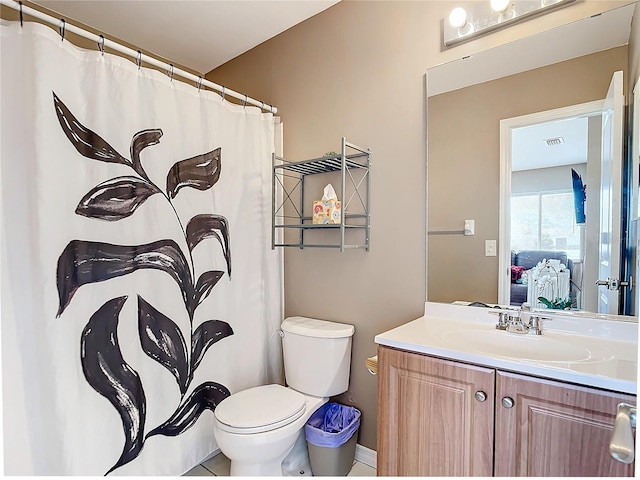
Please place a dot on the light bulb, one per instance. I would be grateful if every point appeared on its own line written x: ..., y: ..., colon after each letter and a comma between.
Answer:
x: 457, y: 17
x: 500, y: 5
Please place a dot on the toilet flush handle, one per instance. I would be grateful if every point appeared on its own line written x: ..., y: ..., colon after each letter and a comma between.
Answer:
x: 280, y: 332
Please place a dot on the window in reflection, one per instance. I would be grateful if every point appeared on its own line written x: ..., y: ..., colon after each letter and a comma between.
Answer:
x: 545, y: 221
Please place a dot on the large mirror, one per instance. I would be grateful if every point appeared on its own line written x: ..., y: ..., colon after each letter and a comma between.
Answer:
x: 483, y: 112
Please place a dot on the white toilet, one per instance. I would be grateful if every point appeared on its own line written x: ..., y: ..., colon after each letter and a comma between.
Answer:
x: 258, y: 427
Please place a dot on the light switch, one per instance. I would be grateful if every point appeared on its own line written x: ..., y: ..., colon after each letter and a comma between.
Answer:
x: 489, y: 248
x: 469, y: 227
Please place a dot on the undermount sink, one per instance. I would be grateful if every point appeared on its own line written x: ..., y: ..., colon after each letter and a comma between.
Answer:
x: 522, y: 346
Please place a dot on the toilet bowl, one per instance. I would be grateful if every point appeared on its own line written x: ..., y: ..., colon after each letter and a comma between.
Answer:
x: 257, y: 440
x: 258, y: 427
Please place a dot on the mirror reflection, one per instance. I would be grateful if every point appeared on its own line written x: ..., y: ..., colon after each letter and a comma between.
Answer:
x: 521, y: 182
x: 547, y: 215
x: 552, y: 156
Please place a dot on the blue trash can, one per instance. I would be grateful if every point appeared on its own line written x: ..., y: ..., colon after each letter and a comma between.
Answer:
x: 331, y: 434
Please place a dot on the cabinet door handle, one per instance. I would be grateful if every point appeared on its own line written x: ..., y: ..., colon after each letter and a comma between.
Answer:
x: 481, y: 396
x: 507, y: 402
x: 621, y: 446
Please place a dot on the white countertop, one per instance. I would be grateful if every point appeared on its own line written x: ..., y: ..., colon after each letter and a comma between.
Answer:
x: 587, y: 350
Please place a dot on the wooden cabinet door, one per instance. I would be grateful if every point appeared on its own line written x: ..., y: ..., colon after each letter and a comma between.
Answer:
x: 429, y: 421
x: 555, y: 429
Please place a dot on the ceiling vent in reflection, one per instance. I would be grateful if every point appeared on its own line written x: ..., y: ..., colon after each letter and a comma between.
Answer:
x: 552, y: 142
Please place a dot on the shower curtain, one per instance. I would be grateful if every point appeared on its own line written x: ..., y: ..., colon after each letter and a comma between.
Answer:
x: 139, y: 288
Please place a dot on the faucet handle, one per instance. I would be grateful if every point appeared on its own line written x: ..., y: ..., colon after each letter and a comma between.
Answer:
x: 534, y: 324
x: 503, y: 321
x: 505, y: 316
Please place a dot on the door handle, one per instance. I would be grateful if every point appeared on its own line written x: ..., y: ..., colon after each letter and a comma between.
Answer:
x: 612, y: 283
x: 621, y: 445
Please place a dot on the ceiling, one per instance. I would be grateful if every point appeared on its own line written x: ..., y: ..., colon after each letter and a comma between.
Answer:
x: 531, y: 151
x: 198, y: 34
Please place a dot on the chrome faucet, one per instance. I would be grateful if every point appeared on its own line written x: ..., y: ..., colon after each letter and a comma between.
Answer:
x: 535, y: 325
x: 517, y: 325
x: 521, y: 321
x: 532, y: 327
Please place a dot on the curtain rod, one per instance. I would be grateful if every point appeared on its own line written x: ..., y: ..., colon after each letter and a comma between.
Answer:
x: 102, y: 42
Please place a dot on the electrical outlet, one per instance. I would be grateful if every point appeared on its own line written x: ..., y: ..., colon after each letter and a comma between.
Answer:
x: 490, y: 248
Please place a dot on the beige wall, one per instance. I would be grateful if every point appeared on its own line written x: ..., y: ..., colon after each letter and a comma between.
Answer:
x: 464, y: 163
x: 357, y: 70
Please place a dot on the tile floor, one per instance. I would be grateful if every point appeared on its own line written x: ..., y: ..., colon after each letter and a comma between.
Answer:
x: 219, y: 466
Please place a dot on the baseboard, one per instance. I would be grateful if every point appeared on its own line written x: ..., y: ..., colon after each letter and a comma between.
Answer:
x: 367, y: 456
x: 363, y: 455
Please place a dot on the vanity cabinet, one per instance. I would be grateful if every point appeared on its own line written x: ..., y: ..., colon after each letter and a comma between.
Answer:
x: 429, y: 421
x: 438, y: 417
x: 555, y: 429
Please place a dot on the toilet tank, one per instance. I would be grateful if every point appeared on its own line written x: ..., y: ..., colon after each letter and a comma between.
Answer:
x: 317, y: 355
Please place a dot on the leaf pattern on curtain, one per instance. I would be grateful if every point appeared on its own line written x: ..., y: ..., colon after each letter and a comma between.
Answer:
x: 205, y: 397
x: 162, y: 340
x: 116, y: 198
x: 85, y: 262
x: 110, y: 375
x: 201, y: 172
x: 205, y: 226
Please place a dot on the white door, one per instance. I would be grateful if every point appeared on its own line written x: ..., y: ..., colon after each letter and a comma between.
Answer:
x: 611, y: 197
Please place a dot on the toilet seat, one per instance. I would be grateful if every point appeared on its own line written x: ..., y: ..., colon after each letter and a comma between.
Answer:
x: 259, y: 409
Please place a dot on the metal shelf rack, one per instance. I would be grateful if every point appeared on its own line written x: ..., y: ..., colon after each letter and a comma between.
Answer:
x: 350, y: 160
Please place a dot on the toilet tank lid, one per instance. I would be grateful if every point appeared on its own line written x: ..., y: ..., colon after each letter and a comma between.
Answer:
x: 312, y: 327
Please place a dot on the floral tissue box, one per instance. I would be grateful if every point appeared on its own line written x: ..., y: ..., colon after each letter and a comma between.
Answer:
x: 327, y: 212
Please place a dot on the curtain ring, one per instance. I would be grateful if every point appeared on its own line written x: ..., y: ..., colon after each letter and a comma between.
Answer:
x: 20, y: 13
x: 271, y: 108
x: 170, y: 72
x: 244, y: 104
x: 101, y: 45
x: 199, y: 84
x: 61, y: 28
x: 139, y: 59
x: 223, y: 92
x: 262, y: 108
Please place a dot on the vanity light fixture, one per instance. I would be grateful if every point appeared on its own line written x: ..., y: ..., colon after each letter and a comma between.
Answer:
x: 458, y: 19
x: 480, y: 18
x: 504, y: 8
x: 500, y: 6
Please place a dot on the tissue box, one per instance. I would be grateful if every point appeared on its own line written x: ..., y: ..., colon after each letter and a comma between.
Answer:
x: 326, y: 211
